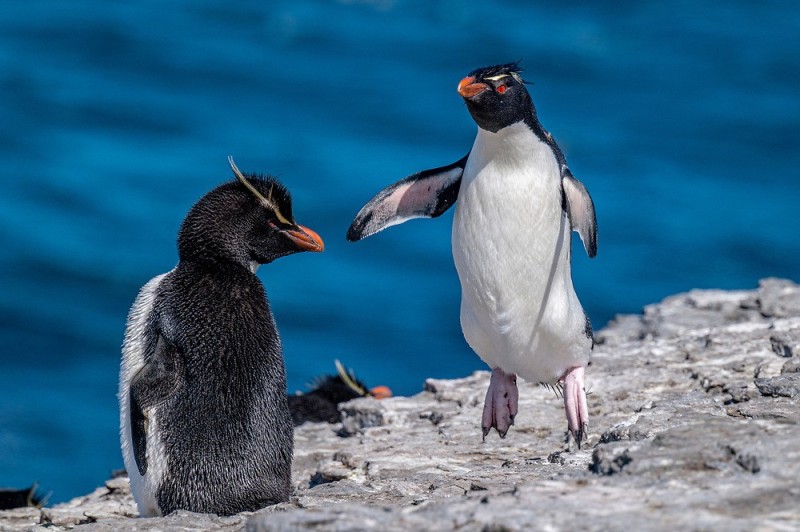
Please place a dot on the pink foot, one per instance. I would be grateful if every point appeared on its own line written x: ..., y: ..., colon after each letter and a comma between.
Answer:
x: 500, y: 406
x: 575, y: 403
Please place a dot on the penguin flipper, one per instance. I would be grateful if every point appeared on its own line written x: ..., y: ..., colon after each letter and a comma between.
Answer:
x: 580, y: 208
x: 426, y: 194
x: 155, y: 382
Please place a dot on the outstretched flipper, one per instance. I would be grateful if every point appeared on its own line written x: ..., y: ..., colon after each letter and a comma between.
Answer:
x: 153, y: 384
x: 426, y: 194
x: 580, y: 208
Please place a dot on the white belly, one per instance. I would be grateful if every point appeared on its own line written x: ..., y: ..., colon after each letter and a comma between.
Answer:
x: 511, y: 247
x: 143, y: 488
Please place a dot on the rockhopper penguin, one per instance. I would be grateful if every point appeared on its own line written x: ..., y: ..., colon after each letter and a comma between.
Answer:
x: 205, y: 425
x: 321, y: 404
x: 517, y: 202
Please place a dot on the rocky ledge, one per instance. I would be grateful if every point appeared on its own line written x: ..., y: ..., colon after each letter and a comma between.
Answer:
x: 695, y: 412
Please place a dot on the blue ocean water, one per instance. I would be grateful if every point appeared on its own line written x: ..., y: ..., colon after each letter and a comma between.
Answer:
x: 682, y: 119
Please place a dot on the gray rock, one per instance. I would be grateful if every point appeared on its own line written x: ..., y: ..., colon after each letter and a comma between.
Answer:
x: 781, y: 386
x: 695, y: 412
x: 779, y: 298
x: 785, y: 345
x: 791, y: 366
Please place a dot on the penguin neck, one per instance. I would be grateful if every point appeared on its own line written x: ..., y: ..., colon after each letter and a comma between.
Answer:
x: 532, y: 121
x: 519, y: 136
x: 512, y: 143
x: 513, y: 157
x: 204, y: 247
x: 213, y: 263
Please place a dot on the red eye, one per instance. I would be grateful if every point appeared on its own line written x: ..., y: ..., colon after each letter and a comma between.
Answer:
x: 501, y: 89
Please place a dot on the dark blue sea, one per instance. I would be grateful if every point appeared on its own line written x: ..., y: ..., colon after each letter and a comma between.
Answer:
x: 682, y: 119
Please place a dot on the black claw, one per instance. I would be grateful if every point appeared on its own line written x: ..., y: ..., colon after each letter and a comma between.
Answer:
x: 485, y: 432
x: 581, y: 434
x: 512, y: 419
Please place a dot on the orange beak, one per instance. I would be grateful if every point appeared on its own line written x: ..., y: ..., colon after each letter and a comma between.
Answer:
x: 469, y: 88
x: 305, y: 238
x: 381, y: 392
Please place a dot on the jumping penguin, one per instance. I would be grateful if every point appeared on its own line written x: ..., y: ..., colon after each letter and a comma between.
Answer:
x: 517, y: 202
x: 204, y: 421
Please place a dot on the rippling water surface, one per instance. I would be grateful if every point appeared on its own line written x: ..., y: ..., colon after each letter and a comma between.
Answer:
x: 682, y: 119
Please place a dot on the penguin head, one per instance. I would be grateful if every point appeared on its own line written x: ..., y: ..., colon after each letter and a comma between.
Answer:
x: 496, y: 96
x: 247, y: 220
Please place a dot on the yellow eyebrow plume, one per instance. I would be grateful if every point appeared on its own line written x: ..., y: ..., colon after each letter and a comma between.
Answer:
x: 349, y: 380
x: 267, y: 202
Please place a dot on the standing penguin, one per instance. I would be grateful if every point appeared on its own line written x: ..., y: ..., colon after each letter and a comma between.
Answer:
x: 204, y: 421
x: 517, y: 202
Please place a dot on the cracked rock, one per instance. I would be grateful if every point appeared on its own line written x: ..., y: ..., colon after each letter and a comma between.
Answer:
x: 683, y: 437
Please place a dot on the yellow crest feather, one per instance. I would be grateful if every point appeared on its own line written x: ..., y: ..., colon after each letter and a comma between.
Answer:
x: 266, y: 201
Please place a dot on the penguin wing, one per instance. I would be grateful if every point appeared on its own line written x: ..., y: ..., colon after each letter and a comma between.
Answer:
x: 155, y: 382
x: 580, y: 208
x: 426, y: 194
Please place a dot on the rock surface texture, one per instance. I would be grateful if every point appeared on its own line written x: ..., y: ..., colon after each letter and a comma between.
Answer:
x: 695, y: 425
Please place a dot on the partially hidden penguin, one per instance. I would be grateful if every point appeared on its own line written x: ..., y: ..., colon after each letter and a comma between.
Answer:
x: 204, y: 420
x: 321, y: 404
x: 516, y: 205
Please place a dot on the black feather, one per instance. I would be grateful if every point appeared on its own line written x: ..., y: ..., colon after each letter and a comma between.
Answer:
x: 12, y: 498
x: 496, y: 70
x: 322, y: 402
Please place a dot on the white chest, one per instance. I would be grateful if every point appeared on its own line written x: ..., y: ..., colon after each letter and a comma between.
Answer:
x: 510, y: 196
x: 511, y: 250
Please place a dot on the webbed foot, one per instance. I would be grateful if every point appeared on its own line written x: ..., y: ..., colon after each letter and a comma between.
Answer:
x: 575, y: 403
x: 501, y: 403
